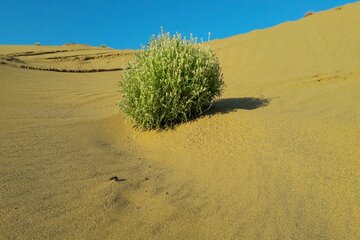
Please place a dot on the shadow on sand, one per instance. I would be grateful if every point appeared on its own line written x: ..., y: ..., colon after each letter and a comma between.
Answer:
x: 228, y: 105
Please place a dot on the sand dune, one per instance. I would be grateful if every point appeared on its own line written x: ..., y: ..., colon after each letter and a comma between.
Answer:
x: 67, y: 58
x: 276, y: 158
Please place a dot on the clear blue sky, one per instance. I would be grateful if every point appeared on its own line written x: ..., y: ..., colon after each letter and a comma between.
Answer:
x: 128, y: 24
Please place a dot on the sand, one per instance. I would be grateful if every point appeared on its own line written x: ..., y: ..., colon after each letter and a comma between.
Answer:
x: 277, y: 157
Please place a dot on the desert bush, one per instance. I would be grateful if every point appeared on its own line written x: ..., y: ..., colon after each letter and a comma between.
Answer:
x: 37, y: 44
x: 103, y: 46
x: 307, y: 14
x: 172, y: 80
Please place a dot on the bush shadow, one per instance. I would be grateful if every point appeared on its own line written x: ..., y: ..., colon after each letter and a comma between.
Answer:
x: 228, y: 105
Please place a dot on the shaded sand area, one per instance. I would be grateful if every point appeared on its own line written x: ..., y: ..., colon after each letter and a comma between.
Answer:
x: 278, y: 157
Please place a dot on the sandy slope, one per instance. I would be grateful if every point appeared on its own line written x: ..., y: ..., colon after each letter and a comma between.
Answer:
x: 276, y: 158
x: 67, y: 58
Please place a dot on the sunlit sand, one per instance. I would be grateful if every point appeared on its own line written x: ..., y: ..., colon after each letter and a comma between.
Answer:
x: 277, y: 157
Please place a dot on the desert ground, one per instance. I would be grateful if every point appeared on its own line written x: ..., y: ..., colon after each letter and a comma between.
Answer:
x: 277, y: 157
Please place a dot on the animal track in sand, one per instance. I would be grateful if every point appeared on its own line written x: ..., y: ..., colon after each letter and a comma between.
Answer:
x: 116, y: 179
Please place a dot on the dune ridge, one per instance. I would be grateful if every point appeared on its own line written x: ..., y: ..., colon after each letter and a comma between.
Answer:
x: 277, y: 156
x: 67, y: 58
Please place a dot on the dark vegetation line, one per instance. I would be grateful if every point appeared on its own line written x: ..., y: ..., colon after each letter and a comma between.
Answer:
x: 72, y: 70
x: 94, y: 56
x: 31, y: 53
x: 13, y: 59
x: 35, y: 53
x: 65, y: 70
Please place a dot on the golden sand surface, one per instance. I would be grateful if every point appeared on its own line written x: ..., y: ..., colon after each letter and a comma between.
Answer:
x: 277, y: 157
x: 66, y: 58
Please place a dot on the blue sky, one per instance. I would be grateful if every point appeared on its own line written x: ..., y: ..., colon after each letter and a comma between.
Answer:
x: 128, y: 24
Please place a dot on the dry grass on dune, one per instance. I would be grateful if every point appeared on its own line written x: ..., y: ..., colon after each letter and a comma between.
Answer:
x: 276, y: 158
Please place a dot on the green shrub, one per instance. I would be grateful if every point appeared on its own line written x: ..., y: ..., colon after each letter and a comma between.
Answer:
x: 172, y: 80
x: 37, y: 44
